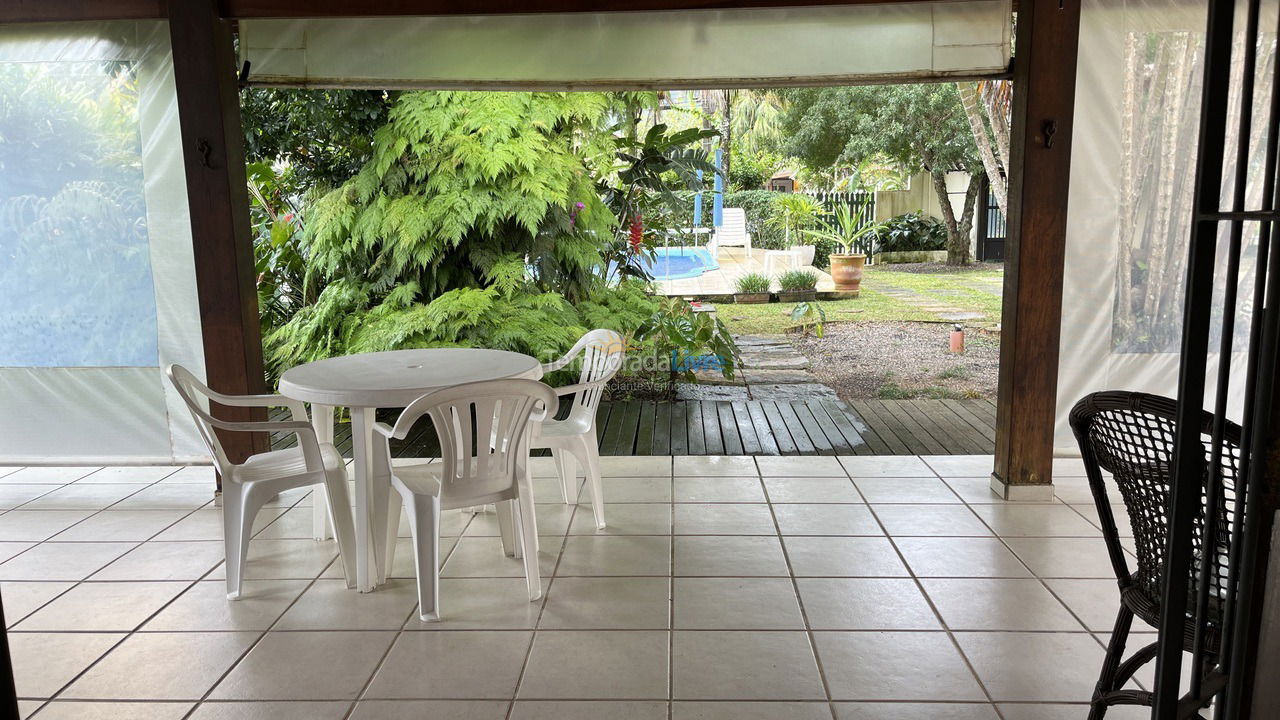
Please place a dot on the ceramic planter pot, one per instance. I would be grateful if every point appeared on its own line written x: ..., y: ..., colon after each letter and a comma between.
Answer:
x: 751, y: 298
x: 806, y: 253
x: 795, y: 296
x: 846, y: 271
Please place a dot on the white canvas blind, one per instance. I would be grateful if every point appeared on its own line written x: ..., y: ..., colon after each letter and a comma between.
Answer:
x: 707, y: 48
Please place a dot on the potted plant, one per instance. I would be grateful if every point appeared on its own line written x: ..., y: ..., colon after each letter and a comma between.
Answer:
x: 795, y: 211
x: 798, y: 286
x: 751, y: 289
x: 847, y: 230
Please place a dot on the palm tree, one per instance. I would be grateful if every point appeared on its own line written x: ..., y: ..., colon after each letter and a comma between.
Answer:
x: 986, y: 102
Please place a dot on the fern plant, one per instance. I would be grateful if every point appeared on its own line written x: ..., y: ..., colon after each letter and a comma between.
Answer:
x: 475, y: 222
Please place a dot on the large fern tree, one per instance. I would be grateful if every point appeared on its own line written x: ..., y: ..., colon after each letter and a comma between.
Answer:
x: 476, y: 222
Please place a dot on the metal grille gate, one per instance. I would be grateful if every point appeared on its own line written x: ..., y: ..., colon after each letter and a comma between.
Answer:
x: 1220, y: 594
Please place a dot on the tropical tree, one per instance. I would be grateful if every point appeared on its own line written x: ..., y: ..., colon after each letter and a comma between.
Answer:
x: 321, y: 137
x: 757, y: 120
x: 793, y: 211
x: 917, y: 126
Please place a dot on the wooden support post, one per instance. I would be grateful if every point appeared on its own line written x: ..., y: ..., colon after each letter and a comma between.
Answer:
x: 1044, y: 83
x: 213, y: 152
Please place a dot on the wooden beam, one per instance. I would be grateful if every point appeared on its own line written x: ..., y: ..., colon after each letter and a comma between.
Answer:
x: 29, y: 11
x: 1044, y: 83
x: 213, y: 152
x: 18, y: 11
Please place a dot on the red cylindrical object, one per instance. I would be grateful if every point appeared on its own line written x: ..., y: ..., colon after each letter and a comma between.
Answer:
x: 957, y: 339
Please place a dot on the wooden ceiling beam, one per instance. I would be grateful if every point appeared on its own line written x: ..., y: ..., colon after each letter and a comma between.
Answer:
x: 30, y: 11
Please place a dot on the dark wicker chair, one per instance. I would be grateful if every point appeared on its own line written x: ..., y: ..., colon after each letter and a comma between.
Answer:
x: 1131, y: 436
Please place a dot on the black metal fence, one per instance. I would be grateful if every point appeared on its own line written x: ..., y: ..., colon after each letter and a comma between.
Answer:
x: 992, y: 228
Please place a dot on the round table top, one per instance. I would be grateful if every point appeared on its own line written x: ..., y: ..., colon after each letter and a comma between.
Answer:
x: 398, y: 377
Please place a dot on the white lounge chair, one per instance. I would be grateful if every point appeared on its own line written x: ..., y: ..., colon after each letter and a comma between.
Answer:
x: 733, y: 232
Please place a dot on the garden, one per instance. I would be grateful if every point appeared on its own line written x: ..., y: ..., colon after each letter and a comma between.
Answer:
x: 517, y: 221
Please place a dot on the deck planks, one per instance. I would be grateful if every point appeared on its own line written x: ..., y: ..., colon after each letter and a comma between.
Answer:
x: 759, y: 427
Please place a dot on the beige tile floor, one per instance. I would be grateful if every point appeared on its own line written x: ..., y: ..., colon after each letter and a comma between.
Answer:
x: 889, y: 588
x: 734, y: 263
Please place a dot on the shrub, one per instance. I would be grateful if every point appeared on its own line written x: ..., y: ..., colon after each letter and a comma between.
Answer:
x: 822, y: 250
x: 797, y: 280
x: 758, y: 205
x: 752, y: 283
x: 911, y: 232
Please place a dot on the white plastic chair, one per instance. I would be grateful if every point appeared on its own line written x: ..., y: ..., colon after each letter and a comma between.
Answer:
x: 484, y: 448
x: 574, y: 438
x: 732, y: 232
x: 247, y: 486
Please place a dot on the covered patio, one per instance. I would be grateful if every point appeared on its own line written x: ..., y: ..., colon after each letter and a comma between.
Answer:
x: 724, y: 587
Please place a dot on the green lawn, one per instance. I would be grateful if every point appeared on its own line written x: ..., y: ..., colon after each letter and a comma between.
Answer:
x: 952, y: 289
x: 955, y: 289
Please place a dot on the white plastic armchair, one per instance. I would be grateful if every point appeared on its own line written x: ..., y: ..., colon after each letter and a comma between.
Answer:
x: 484, y: 458
x: 574, y: 437
x: 248, y: 485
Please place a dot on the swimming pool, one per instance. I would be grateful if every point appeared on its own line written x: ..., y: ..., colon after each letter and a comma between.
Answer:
x: 677, y: 263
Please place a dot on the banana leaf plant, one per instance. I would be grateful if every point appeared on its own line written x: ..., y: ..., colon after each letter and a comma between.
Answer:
x: 649, y: 171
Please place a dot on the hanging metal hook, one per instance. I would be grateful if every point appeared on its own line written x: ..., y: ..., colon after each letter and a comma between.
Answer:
x: 1049, y: 129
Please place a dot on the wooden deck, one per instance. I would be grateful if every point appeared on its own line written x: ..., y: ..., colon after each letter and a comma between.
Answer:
x: 763, y: 427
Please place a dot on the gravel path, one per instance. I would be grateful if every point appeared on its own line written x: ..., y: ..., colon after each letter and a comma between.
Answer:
x: 902, y: 360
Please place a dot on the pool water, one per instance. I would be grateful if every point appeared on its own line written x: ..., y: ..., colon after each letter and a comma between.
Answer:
x: 677, y: 263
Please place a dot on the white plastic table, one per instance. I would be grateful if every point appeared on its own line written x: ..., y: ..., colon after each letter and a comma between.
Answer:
x: 364, y: 383
x: 771, y: 257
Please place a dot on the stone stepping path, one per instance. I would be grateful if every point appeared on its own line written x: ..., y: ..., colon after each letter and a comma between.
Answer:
x: 771, y: 370
x: 950, y: 313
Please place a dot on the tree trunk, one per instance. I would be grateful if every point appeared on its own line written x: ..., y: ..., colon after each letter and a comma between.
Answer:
x: 996, y: 96
x: 973, y: 110
x: 726, y: 134
x: 957, y: 241
x: 965, y: 227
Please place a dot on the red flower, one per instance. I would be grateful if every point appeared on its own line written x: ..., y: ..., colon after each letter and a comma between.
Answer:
x: 637, y: 233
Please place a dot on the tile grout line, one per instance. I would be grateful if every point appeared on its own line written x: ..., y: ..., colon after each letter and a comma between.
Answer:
x: 804, y: 615
x: 263, y: 634
x: 932, y: 606
x: 671, y: 602
x: 546, y: 598
x: 399, y: 633
x: 125, y: 636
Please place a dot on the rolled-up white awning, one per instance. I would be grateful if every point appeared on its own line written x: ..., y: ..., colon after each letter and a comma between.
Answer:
x: 677, y: 49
